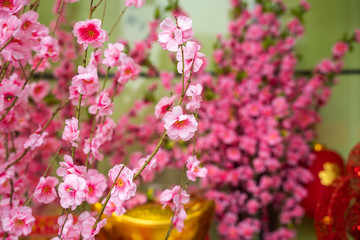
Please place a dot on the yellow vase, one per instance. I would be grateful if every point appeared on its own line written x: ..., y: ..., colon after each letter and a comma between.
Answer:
x: 151, y: 222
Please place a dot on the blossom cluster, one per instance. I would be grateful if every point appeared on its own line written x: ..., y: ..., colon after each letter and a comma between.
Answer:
x: 259, y: 128
x: 42, y: 121
x: 257, y: 121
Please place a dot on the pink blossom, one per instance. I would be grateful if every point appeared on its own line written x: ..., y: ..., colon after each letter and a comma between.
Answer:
x: 95, y: 186
x: 87, y: 80
x: 49, y: 48
x: 326, y: 66
x: 45, y: 191
x: 138, y: 199
x: 105, y: 131
x: 68, y: 167
x: 173, y: 198
x: 115, y: 205
x: 281, y: 107
x: 128, y: 70
x: 179, y: 218
x: 305, y: 5
x: 194, y: 170
x: 194, y: 93
x: 193, y: 60
x: 39, y: 90
x: 88, y: 233
x: 71, y: 131
x: 164, y: 105
x: 179, y: 125
x: 172, y: 35
x: 114, y: 55
x: 19, y: 221
x: 148, y: 172
x: 90, y: 32
x: 136, y: 3
x: 295, y: 27
x: 72, y: 191
x: 12, y: 6
x: 340, y: 49
x: 103, y: 104
x: 252, y: 206
x: 357, y: 35
x: 255, y: 32
x: 29, y: 23
x: 67, y: 229
x: 74, y: 95
x: 251, y: 48
x: 8, y: 25
x: 92, y: 146
x: 166, y: 78
x: 233, y: 154
x: 35, y: 140
x: 8, y: 92
x: 124, y: 187
x: 6, y: 174
x: 41, y: 66
x: 273, y: 137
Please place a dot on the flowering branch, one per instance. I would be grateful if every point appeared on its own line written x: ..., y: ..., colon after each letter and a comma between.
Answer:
x: 62, y: 227
x: 107, y: 199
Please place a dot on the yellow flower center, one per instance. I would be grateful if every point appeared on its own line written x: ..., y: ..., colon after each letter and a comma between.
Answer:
x: 127, y: 71
x: 7, y: 3
x: 47, y: 189
x: 119, y: 182
x: 91, y: 190
x: 18, y: 223
x: 88, y: 81
x: 90, y: 34
x: 180, y: 124
x: 26, y: 25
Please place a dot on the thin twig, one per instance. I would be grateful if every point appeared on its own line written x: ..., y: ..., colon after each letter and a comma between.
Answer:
x: 12, y: 192
x: 7, y: 43
x: 117, y: 21
x: 6, y: 147
x: 35, y: 4
x: 58, y: 17
x: 103, y: 13
x: 62, y: 228
x: 163, y: 136
x: 105, y: 80
x: 3, y: 71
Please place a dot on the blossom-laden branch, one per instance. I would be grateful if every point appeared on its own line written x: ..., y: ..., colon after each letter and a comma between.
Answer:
x: 107, y: 198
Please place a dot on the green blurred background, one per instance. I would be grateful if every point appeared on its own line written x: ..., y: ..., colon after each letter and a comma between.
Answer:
x: 327, y: 21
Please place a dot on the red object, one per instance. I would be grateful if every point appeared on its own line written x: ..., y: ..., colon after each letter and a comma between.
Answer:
x: 338, y: 211
x: 317, y: 186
